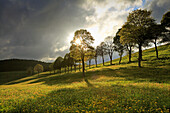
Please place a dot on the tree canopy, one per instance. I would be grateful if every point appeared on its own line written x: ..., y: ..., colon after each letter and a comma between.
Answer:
x: 118, y: 46
x: 135, y: 30
x: 166, y: 19
x: 38, y: 68
x: 58, y: 63
x: 81, y: 45
x: 109, y: 47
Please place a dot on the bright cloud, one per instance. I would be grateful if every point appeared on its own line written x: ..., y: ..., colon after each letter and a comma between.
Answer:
x: 61, y: 49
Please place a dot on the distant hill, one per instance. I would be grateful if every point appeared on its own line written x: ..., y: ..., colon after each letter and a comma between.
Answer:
x: 20, y: 65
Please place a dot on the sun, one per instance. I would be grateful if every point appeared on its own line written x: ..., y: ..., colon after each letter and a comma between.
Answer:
x: 78, y: 41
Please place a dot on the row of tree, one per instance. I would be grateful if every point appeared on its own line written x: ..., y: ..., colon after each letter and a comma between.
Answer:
x: 139, y: 31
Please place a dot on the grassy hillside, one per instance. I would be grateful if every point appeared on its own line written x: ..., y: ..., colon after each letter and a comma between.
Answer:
x: 115, y: 88
x: 19, y: 65
x: 11, y: 76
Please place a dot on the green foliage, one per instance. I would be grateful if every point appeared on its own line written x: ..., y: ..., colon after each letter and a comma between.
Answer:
x: 136, y: 30
x: 101, y: 49
x: 82, y: 49
x: 81, y: 45
x: 165, y: 22
x: 66, y: 59
x: 118, y: 46
x: 166, y: 19
x: 51, y: 66
x: 58, y: 63
x: 29, y: 71
x: 38, y: 68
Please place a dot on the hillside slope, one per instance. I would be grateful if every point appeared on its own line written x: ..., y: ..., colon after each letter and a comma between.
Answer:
x: 19, y: 65
x: 115, y: 88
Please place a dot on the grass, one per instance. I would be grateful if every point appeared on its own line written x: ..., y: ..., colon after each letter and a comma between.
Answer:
x: 10, y: 76
x: 115, y: 88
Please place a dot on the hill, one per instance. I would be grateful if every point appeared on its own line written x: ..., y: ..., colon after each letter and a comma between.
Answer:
x: 20, y: 65
x: 109, y: 88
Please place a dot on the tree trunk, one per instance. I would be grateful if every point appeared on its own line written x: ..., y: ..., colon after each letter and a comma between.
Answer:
x: 71, y: 68
x: 140, y: 55
x: 96, y: 61
x: 68, y: 69
x: 130, y: 52
x: 120, y: 59
x: 103, y: 59
x: 156, y: 49
x: 83, y: 67
x: 79, y: 66
x: 89, y: 63
x: 110, y: 59
x: 65, y: 69
x: 75, y: 67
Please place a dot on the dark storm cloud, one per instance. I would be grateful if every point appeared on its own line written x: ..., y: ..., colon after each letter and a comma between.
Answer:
x: 30, y: 28
x: 158, y: 8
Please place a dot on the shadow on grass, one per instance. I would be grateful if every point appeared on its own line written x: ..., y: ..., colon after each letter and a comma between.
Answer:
x: 11, y: 76
x: 25, y: 80
x: 80, y: 99
x: 135, y: 74
x: 88, y: 83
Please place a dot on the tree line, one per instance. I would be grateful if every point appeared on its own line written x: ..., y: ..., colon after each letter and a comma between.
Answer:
x: 140, y: 30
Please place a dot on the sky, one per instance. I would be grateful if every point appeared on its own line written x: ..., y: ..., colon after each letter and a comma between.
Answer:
x: 42, y: 29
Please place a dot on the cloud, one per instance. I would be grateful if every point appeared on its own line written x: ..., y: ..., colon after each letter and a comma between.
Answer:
x: 43, y: 29
x: 32, y: 29
x: 61, y: 49
x: 158, y: 8
x: 108, y: 17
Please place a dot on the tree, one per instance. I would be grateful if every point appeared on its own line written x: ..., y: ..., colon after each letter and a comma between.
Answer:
x: 58, y: 63
x: 76, y: 56
x: 118, y: 46
x: 64, y: 64
x: 90, y: 56
x: 101, y: 51
x: 127, y: 43
x: 96, y: 55
x: 81, y: 45
x: 66, y: 60
x: 135, y: 30
x: 38, y: 68
x: 29, y: 71
x: 71, y: 61
x: 75, y: 65
x: 109, y: 47
x: 51, y: 67
x: 165, y: 22
x: 166, y: 19
x: 156, y: 33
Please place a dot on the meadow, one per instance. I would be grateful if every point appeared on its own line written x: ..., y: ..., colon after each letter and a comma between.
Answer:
x: 110, y: 88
